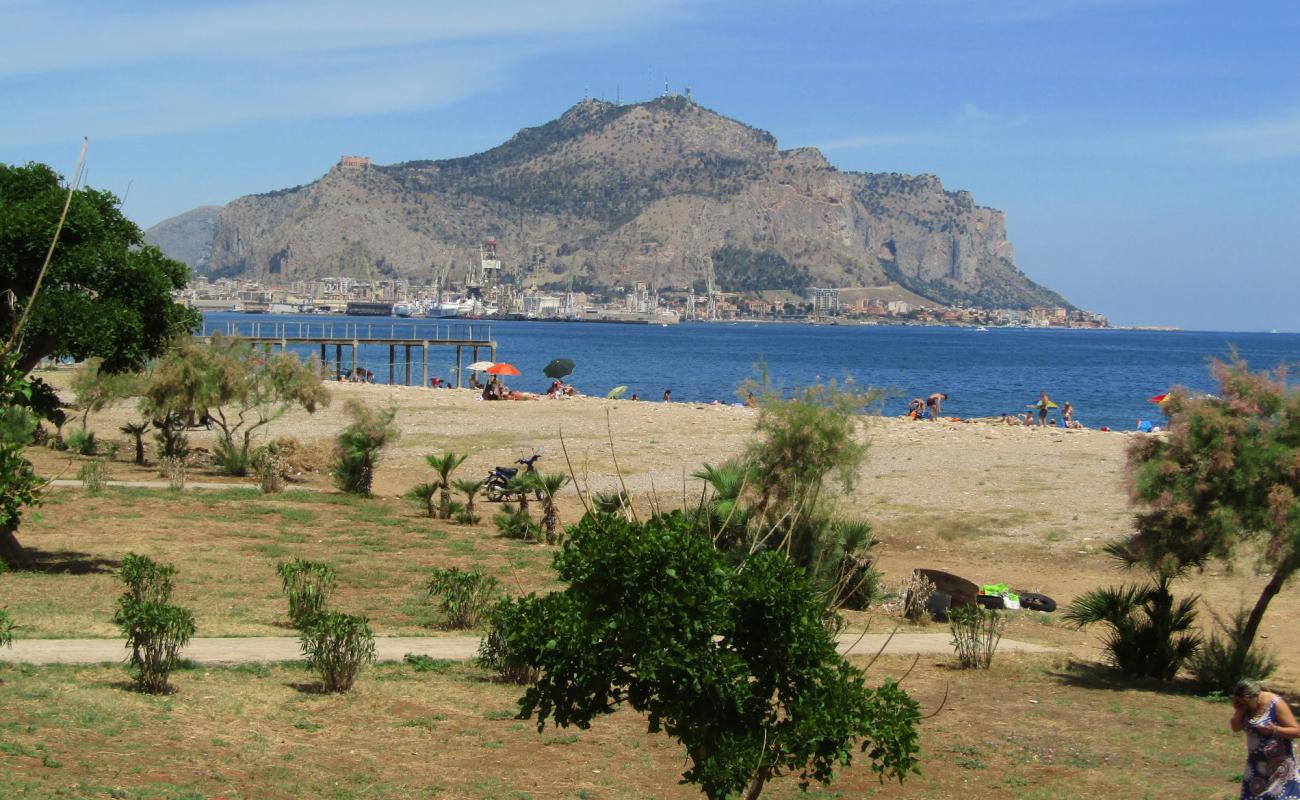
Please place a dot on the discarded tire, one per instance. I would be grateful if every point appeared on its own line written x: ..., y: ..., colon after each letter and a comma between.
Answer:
x: 1037, y: 602
x: 990, y: 601
x: 938, y: 606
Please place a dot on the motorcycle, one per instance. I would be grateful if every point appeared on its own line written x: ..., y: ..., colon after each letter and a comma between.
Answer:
x: 496, y: 486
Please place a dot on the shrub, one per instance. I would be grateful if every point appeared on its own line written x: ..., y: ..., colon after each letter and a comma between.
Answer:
x: 424, y: 495
x: 975, y: 635
x: 146, y: 580
x: 549, y: 485
x: 81, y: 442
x: 136, y: 430
x: 92, y: 475
x: 444, y: 465
x: 359, y: 445
x: 230, y: 459
x: 916, y: 593
x: 309, y: 585
x: 155, y: 632
x: 1227, y: 658
x: 176, y: 471
x: 6, y: 629
x: 612, y: 502
x: 497, y: 651
x: 515, y: 523
x: 270, y: 467
x: 1149, y: 635
x: 336, y: 645
x: 461, y: 597
x: 470, y: 488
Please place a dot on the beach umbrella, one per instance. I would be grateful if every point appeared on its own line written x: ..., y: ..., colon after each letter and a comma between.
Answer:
x: 616, y: 393
x: 1158, y: 399
x: 558, y: 368
x: 502, y: 368
x: 480, y: 366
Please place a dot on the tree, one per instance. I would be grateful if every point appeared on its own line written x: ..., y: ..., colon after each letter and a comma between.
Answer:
x: 550, y: 485
x: 95, y: 389
x: 137, y: 430
x: 444, y: 465
x: 19, y: 485
x: 105, y: 294
x: 359, y: 445
x: 736, y: 664
x: 238, y: 386
x: 1226, y: 474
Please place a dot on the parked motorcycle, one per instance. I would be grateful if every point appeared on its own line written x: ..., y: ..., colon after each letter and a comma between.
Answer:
x: 496, y: 486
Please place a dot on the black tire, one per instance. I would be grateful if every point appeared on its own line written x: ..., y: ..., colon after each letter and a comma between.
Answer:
x: 938, y: 606
x: 1037, y: 602
x: 990, y: 601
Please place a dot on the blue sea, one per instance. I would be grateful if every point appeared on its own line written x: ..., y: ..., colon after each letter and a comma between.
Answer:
x: 1108, y: 375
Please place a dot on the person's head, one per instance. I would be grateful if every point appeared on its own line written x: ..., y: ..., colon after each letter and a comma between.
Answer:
x: 1246, y: 689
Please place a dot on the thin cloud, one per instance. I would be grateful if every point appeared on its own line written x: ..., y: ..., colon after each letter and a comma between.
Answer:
x: 969, y: 120
x: 1251, y: 140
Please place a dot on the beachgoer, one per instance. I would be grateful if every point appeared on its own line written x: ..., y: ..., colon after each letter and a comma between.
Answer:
x: 634, y: 397
x: 1029, y: 419
x: 935, y: 404
x: 1271, y: 769
x: 556, y: 388
x: 1067, y: 414
x: 474, y: 382
x: 1044, y: 403
x: 668, y: 395
x: 569, y: 391
x: 916, y: 408
x: 750, y: 402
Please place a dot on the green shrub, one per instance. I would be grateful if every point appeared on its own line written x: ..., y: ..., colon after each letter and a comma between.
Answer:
x: 359, y: 445
x: 461, y: 598
x: 611, y: 502
x: 1228, y: 658
x: 92, y: 475
x: 308, y: 585
x: 81, y: 442
x: 230, y: 459
x: 515, y: 523
x: 155, y: 632
x: 470, y: 488
x: 6, y: 629
x: 336, y: 645
x: 270, y: 467
x: 146, y: 580
x: 425, y: 496
x: 975, y: 635
x: 1149, y: 636
x: 498, y: 650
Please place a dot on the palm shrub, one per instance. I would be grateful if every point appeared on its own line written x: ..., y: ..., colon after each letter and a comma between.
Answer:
x: 136, y: 430
x: 357, y: 451
x: 611, y: 502
x: 975, y: 635
x: 725, y: 513
x: 470, y: 488
x: 498, y: 650
x: 308, y: 585
x: 155, y: 630
x: 1227, y: 657
x: 549, y: 485
x: 461, y: 598
x: 521, y: 485
x: 424, y: 495
x: 82, y: 442
x: 336, y: 645
x: 444, y: 465
x: 515, y: 523
x: 1148, y: 634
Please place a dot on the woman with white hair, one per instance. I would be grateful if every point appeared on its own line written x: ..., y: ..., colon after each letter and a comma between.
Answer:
x: 1271, y: 769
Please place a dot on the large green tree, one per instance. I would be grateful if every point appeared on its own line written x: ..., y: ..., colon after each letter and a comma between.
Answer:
x: 106, y: 293
x: 1228, y: 473
x: 735, y: 662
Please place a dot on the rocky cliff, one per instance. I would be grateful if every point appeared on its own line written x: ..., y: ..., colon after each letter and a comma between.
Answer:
x: 665, y: 192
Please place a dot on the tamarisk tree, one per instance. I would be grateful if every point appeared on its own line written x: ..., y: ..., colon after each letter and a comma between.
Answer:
x: 1228, y: 473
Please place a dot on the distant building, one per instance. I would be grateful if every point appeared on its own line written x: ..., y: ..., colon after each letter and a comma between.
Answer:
x: 825, y: 301
x: 354, y: 162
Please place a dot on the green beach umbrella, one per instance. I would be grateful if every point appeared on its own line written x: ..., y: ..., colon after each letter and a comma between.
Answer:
x: 616, y: 393
x: 558, y: 368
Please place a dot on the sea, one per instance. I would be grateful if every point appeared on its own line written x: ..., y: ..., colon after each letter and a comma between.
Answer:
x: 1109, y: 376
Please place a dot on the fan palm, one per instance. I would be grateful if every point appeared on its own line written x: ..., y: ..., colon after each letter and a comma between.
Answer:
x: 470, y: 488
x: 137, y: 430
x: 444, y: 465
x: 549, y: 485
x: 1150, y: 635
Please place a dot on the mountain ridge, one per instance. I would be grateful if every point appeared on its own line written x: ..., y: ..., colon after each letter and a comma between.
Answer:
x: 664, y: 192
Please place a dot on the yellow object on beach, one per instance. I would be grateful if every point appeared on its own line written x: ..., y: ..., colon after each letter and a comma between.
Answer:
x: 1050, y: 404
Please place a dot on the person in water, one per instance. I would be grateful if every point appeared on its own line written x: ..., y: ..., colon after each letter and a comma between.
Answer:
x: 1272, y: 772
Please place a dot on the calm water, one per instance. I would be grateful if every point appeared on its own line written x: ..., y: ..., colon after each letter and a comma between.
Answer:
x: 1107, y: 375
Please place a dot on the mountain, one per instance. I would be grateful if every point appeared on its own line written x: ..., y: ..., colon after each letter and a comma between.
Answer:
x: 666, y: 192
x: 187, y: 237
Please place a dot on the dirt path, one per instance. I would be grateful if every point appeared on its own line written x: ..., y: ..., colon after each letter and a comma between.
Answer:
x: 262, y: 649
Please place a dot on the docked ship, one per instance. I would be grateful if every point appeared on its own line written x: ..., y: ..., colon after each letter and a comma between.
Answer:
x: 369, y: 309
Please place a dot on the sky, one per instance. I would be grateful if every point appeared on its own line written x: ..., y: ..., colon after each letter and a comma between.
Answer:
x: 1146, y: 152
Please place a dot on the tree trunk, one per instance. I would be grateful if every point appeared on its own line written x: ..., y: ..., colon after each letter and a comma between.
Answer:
x: 11, y: 552
x: 756, y: 788
x: 139, y: 448
x: 1273, y: 586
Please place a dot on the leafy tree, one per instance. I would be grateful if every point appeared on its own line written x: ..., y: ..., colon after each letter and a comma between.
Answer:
x: 238, y: 386
x: 1225, y: 475
x: 357, y: 452
x: 444, y: 465
x: 19, y: 485
x: 736, y: 664
x: 95, y: 389
x: 106, y: 293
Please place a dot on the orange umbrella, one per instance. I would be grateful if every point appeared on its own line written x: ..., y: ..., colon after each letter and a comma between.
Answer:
x: 502, y: 368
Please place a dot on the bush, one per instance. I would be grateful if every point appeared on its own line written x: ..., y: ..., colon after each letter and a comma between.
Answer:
x: 309, y: 585
x: 176, y: 471
x: 92, y: 475
x: 1227, y: 658
x: 916, y: 592
x: 6, y: 629
x: 424, y: 495
x: 498, y: 651
x: 359, y: 445
x: 612, y: 502
x: 81, y: 442
x: 146, y: 580
x: 461, y: 597
x: 336, y: 645
x: 515, y: 523
x: 1149, y: 636
x: 975, y: 635
x: 155, y: 632
x: 230, y: 459
x: 270, y: 467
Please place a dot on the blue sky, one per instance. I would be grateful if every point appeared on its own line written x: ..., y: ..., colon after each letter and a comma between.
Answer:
x: 1146, y: 152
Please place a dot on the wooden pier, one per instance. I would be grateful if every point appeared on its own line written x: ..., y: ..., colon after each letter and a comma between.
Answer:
x: 352, y: 336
